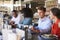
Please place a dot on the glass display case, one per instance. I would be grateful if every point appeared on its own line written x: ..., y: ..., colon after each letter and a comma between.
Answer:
x: 13, y: 5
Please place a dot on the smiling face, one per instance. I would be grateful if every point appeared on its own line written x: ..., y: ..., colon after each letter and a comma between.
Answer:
x: 41, y: 13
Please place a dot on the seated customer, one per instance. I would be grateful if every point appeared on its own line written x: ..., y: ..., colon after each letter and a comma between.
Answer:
x: 16, y: 19
x: 44, y: 23
x: 28, y: 15
x: 55, y: 16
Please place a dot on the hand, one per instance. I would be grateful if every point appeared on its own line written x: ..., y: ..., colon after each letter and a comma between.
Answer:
x: 34, y: 30
x: 13, y: 25
x: 11, y: 22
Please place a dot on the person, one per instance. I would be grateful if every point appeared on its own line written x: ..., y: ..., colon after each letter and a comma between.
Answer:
x: 15, y: 22
x: 36, y: 15
x: 28, y: 15
x: 55, y: 16
x: 44, y: 23
x: 16, y: 19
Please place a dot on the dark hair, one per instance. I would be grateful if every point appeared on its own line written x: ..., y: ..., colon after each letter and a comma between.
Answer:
x: 14, y: 11
x: 5, y: 15
x: 56, y: 12
x: 41, y: 8
x: 27, y: 12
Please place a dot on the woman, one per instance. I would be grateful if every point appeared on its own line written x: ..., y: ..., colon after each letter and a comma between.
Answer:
x: 28, y: 15
x: 55, y: 15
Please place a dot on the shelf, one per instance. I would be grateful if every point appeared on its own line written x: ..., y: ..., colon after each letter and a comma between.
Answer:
x: 16, y: 5
x: 10, y: 4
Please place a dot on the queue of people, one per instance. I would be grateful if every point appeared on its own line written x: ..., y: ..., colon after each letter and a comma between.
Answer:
x: 46, y: 25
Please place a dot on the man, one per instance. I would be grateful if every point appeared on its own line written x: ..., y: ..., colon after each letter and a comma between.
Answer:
x: 55, y: 16
x: 44, y: 23
x: 16, y: 19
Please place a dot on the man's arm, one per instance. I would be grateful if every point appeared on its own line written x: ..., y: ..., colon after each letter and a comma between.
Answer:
x: 11, y: 22
x: 35, y: 30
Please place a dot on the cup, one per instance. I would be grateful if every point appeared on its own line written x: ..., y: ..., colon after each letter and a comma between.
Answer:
x: 25, y: 26
x: 9, y: 26
x: 30, y: 26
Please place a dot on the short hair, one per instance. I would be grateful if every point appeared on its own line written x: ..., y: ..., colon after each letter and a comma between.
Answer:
x: 14, y: 11
x: 41, y: 8
x: 56, y: 12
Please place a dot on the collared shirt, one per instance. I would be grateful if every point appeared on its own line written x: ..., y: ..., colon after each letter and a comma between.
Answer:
x: 44, y: 25
x: 56, y: 28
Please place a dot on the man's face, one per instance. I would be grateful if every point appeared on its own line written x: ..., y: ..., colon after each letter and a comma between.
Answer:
x: 14, y: 14
x: 41, y: 13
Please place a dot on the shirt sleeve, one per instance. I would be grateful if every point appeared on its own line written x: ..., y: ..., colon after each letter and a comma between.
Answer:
x: 46, y: 27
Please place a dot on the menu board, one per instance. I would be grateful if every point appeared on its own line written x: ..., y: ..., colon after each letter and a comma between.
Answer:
x: 51, y: 3
x: 7, y: 1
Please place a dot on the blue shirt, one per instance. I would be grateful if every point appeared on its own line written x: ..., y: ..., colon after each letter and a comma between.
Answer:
x: 27, y: 21
x: 44, y: 25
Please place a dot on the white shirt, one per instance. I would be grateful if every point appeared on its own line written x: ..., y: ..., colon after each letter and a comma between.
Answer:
x: 18, y: 19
